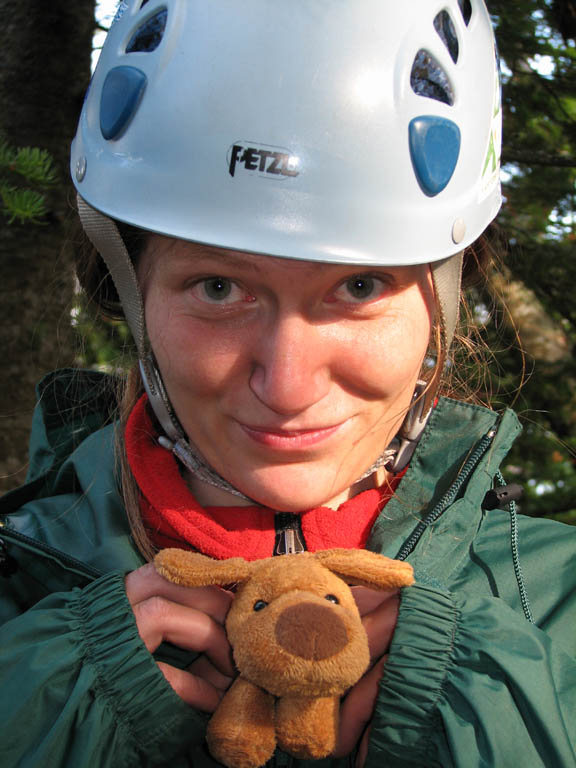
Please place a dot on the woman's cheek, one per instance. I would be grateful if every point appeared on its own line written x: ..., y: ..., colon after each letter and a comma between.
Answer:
x: 380, y: 359
x: 201, y: 363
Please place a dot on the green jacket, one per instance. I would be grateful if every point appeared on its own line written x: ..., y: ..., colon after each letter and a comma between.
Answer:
x: 469, y: 682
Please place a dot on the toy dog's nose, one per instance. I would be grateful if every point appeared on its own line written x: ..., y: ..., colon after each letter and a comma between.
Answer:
x: 311, y: 631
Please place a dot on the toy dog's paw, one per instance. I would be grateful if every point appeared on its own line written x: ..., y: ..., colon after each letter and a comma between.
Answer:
x: 307, y: 728
x: 240, y: 749
x: 241, y: 733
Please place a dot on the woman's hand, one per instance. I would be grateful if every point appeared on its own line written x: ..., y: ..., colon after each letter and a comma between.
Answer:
x: 191, y: 619
x: 379, y: 611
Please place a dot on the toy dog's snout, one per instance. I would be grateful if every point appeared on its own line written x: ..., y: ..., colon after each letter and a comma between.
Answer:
x: 311, y: 631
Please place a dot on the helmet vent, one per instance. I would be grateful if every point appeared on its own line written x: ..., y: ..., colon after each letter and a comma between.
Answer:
x: 149, y: 35
x: 466, y: 8
x: 429, y: 79
x: 444, y: 25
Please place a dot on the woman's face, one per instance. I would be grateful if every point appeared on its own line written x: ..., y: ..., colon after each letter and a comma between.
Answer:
x: 290, y: 377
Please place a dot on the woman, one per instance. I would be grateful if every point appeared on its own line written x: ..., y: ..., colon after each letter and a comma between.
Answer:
x: 282, y: 196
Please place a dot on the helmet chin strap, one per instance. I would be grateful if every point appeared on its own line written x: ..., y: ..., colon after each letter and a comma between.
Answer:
x: 175, y: 439
x: 104, y: 235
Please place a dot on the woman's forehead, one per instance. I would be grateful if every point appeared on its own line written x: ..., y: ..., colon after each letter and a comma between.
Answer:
x: 161, y: 249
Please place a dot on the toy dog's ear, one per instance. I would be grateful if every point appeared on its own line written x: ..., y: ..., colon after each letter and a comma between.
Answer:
x: 358, y: 566
x: 191, y: 569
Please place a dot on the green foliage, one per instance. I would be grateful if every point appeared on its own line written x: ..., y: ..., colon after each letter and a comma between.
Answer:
x: 35, y: 165
x: 25, y: 173
x: 22, y: 204
x: 104, y: 344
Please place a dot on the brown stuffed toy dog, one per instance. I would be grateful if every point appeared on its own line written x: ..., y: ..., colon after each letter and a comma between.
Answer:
x: 298, y: 644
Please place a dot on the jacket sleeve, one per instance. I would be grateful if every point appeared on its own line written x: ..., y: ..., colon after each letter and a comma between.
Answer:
x: 79, y: 687
x: 470, y: 682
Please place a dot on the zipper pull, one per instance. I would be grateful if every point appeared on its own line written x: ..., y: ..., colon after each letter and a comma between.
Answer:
x: 289, y: 537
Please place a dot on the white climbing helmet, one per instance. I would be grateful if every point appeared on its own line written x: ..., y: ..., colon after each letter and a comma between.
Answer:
x: 355, y: 131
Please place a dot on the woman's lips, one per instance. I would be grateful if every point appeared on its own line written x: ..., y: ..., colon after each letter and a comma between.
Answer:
x: 288, y: 439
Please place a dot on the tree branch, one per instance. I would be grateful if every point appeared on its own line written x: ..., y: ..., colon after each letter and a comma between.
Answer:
x: 530, y: 157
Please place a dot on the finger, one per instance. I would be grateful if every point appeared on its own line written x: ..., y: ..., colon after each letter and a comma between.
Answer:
x: 195, y: 691
x: 380, y: 625
x: 202, y: 667
x: 357, y: 708
x: 146, y: 582
x: 363, y: 748
x: 368, y: 600
x: 159, y: 620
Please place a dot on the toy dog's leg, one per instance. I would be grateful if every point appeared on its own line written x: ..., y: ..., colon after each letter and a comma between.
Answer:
x: 240, y: 733
x: 307, y: 728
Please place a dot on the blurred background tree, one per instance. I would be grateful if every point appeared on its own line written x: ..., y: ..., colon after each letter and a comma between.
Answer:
x: 530, y: 305
x: 45, y: 53
x: 534, y: 297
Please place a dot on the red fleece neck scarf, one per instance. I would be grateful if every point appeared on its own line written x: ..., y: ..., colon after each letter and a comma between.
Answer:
x: 173, y: 517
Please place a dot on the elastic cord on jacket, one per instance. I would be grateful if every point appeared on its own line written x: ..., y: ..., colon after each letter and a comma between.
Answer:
x: 449, y: 497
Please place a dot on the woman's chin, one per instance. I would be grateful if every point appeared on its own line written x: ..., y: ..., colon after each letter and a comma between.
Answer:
x: 291, y: 490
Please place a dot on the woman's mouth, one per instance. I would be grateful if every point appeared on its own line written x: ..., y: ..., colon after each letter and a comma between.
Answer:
x: 288, y: 439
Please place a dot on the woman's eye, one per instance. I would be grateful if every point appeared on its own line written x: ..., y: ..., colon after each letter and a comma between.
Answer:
x: 361, y: 288
x: 219, y: 290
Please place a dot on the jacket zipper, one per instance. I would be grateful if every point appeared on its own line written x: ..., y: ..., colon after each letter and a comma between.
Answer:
x: 450, y: 496
x: 8, y: 535
x: 289, y: 537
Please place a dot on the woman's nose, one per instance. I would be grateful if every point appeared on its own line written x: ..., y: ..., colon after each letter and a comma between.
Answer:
x: 291, y: 368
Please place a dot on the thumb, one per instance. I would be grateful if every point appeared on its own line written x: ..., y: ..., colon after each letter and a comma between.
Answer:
x: 357, y: 708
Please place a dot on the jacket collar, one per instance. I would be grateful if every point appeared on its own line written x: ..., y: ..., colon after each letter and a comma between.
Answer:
x: 453, y: 431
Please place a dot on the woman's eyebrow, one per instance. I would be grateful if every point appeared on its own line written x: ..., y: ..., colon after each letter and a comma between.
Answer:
x: 201, y: 253
x: 241, y: 260
x: 233, y: 259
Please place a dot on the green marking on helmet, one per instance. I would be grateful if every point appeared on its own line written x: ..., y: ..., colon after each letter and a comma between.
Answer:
x: 491, y: 155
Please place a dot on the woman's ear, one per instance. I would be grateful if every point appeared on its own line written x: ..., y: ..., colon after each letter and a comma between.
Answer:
x: 367, y: 569
x: 191, y: 569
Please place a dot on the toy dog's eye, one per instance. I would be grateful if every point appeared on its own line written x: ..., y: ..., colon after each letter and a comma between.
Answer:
x: 259, y: 604
x: 332, y: 599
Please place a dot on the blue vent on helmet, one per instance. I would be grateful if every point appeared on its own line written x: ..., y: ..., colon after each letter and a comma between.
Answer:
x: 149, y: 35
x: 121, y: 96
x: 434, y: 149
x: 429, y: 79
x: 444, y: 25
